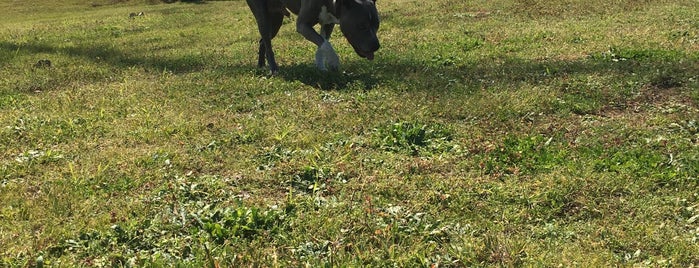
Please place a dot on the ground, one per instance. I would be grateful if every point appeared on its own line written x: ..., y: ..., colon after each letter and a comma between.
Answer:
x: 484, y: 133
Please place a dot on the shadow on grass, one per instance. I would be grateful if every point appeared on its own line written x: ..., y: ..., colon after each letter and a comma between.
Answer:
x: 304, y: 73
x: 114, y: 56
x: 662, y: 68
x: 346, y: 79
x: 670, y: 68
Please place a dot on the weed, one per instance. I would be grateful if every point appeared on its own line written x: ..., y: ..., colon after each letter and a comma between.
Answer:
x: 174, y: 230
x: 623, y: 54
x: 502, y: 251
x: 523, y: 156
x: 244, y: 222
x: 414, y: 138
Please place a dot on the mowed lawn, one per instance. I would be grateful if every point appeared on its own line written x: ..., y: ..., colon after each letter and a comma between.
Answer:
x: 485, y: 133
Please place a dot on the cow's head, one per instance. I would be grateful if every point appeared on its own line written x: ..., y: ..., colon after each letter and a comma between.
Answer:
x: 359, y: 22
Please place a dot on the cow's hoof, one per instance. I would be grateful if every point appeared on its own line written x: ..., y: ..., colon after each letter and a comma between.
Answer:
x: 332, y: 62
x: 320, y: 60
x: 320, y: 64
x: 333, y: 67
x: 326, y: 58
x: 273, y: 69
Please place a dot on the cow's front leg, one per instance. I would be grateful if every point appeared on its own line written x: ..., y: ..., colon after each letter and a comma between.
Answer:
x: 326, y: 30
x: 307, y: 31
x: 326, y: 57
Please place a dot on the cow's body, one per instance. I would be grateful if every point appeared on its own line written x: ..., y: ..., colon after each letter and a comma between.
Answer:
x: 358, y: 21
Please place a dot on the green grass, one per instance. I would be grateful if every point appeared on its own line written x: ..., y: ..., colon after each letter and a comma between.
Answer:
x: 485, y: 133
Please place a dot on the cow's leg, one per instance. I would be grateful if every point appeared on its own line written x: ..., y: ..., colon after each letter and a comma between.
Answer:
x: 326, y: 30
x: 326, y: 57
x: 268, y: 23
x: 308, y: 16
x: 261, y: 55
x: 274, y: 22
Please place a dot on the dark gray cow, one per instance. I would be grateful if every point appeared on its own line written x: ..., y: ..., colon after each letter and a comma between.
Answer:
x: 358, y: 21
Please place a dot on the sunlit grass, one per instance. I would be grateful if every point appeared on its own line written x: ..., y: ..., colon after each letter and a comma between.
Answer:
x: 505, y: 133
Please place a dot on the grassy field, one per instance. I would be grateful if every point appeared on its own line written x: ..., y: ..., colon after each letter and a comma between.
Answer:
x: 485, y: 133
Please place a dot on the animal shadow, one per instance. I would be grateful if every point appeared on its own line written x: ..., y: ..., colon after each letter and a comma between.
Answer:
x: 352, y: 78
